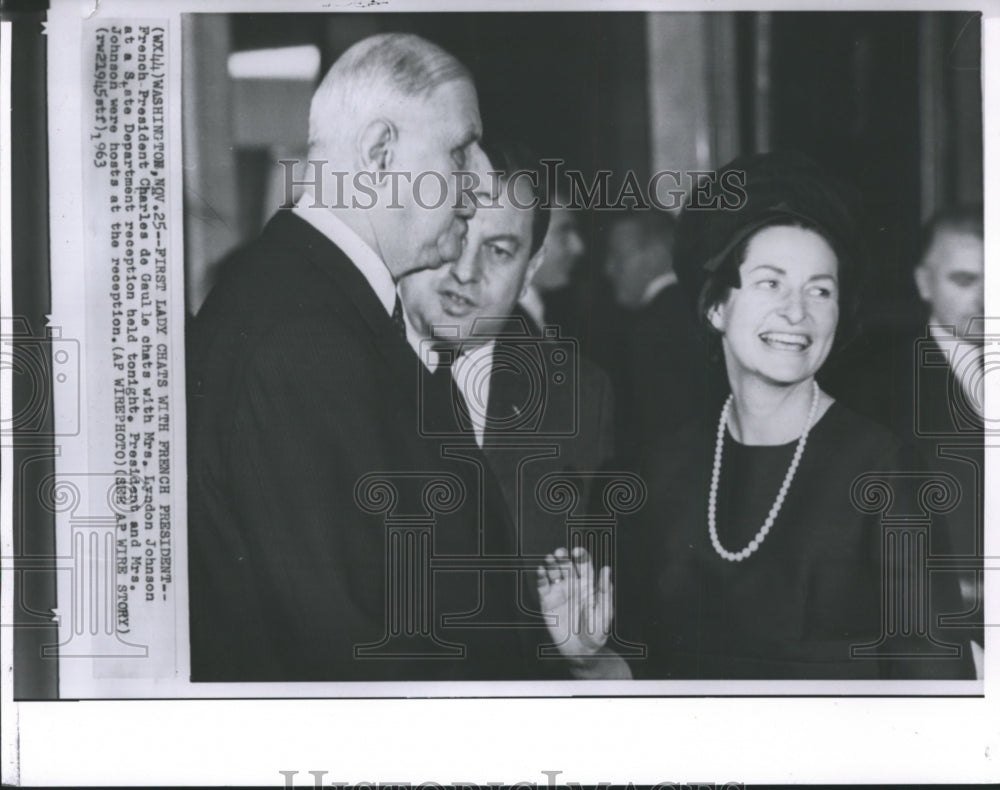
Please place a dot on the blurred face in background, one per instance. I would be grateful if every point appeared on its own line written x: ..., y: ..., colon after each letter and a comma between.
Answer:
x: 950, y: 278
x: 488, y: 278
x: 564, y: 247
x: 632, y: 261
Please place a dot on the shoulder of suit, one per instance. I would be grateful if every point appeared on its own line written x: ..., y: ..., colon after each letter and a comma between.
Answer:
x: 277, y: 271
x: 270, y: 293
x: 670, y: 306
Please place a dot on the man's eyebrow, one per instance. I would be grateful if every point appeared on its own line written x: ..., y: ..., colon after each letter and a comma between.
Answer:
x: 510, y: 237
x: 471, y: 135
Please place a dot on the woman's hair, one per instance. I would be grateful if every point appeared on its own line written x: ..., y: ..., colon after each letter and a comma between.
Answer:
x: 716, y: 289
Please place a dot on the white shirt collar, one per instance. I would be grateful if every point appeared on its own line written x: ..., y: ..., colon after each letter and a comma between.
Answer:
x: 656, y: 285
x: 421, y: 346
x: 960, y: 353
x: 533, y: 305
x: 472, y: 373
x: 364, y: 258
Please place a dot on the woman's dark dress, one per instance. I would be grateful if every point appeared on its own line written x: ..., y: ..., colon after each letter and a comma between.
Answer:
x: 794, y: 608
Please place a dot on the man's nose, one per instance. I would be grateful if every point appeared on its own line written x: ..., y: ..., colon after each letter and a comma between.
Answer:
x: 471, y: 181
x: 468, y: 268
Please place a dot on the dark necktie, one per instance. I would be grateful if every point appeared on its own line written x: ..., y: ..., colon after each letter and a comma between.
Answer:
x: 446, y: 388
x: 397, y: 318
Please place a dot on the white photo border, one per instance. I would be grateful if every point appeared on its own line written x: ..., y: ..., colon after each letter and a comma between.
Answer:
x: 752, y: 738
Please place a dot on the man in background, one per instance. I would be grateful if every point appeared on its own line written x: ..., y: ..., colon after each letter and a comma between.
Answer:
x: 663, y: 376
x: 942, y: 408
x: 639, y: 260
x: 925, y: 381
x: 526, y: 398
x: 548, y: 297
x: 949, y: 279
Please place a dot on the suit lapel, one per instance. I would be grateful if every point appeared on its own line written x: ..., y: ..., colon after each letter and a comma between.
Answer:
x: 511, y: 385
x: 941, y: 406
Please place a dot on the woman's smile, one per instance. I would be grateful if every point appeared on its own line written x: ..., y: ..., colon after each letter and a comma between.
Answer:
x: 786, y: 341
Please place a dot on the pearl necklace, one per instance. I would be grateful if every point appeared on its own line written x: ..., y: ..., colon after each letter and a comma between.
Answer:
x: 739, y: 556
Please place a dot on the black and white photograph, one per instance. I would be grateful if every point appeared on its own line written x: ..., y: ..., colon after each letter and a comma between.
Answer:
x: 558, y: 366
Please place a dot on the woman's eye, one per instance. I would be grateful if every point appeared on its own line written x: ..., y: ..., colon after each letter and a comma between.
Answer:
x: 768, y: 285
x: 822, y: 292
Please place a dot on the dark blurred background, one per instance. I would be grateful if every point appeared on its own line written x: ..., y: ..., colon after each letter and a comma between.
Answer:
x: 889, y: 101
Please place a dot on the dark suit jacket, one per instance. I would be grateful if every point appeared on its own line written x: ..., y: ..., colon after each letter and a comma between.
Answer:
x: 561, y: 421
x: 937, y: 417
x: 665, y: 376
x: 902, y: 378
x: 299, y: 386
x: 550, y: 411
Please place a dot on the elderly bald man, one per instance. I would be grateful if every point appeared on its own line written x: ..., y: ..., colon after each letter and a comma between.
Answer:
x: 303, y: 386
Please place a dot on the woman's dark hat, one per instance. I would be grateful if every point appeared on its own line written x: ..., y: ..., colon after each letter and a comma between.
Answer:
x: 752, y: 192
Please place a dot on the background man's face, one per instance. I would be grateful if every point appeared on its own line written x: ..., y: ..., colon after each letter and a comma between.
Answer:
x: 564, y: 246
x: 487, y: 279
x: 950, y: 278
x: 627, y: 263
x: 438, y: 136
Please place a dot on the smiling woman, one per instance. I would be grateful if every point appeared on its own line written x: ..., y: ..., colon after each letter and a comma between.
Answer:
x: 763, y: 565
x: 778, y: 326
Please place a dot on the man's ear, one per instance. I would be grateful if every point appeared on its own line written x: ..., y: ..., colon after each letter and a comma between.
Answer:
x: 377, y: 144
x: 922, y: 277
x: 529, y: 274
